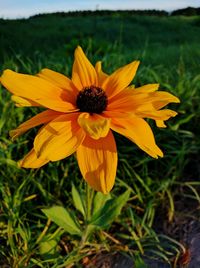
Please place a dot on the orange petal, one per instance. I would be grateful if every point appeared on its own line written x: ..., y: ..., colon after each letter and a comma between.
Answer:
x: 59, y: 139
x: 138, y: 131
x: 126, y: 104
x: 61, y: 81
x: 94, y: 125
x: 147, y: 88
x: 100, y: 74
x: 41, y: 118
x: 130, y: 100
x: 162, y: 98
x: 83, y: 72
x: 120, y: 79
x: 32, y: 161
x: 36, y: 89
x: 22, y: 102
x: 160, y: 123
x: 157, y: 99
x: 97, y: 160
x: 126, y: 101
x: 164, y: 114
x: 116, y: 114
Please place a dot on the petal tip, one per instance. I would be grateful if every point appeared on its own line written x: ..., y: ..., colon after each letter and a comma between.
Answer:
x: 177, y: 100
x: 20, y: 163
x: 78, y: 49
x: 137, y: 63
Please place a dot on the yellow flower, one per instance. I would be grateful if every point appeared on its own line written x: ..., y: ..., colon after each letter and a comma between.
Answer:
x: 82, y: 112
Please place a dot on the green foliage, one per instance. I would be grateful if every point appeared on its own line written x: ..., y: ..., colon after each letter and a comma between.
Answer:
x: 100, y: 218
x: 78, y: 201
x: 99, y: 201
x: 169, y: 52
x: 62, y: 218
x: 111, y: 209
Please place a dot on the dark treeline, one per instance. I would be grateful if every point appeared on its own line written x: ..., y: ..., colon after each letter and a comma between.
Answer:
x: 83, y: 13
x: 189, y: 11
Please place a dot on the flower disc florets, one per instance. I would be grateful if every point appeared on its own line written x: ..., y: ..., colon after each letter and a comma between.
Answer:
x: 92, y: 100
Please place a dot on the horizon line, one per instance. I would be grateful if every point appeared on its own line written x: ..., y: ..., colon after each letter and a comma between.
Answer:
x: 93, y: 10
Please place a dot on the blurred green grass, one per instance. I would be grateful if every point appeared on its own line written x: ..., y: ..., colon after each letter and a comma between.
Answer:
x: 168, y: 48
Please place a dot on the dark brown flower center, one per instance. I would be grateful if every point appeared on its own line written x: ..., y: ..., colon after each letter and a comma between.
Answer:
x: 92, y: 100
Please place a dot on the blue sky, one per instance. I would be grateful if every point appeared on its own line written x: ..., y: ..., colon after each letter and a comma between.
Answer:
x: 25, y: 8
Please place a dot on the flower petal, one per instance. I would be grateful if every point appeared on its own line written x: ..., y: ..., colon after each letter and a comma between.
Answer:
x: 22, y: 102
x: 83, y: 72
x: 138, y: 131
x: 97, y: 160
x: 59, y: 139
x: 41, y: 118
x: 162, y: 98
x: 36, y: 89
x: 94, y: 125
x: 120, y: 79
x: 61, y: 81
x: 163, y: 115
x: 157, y: 99
x: 160, y: 123
x: 147, y: 88
x: 100, y: 74
x: 116, y: 114
x: 56, y: 78
x: 126, y: 101
x: 32, y: 161
x: 132, y: 101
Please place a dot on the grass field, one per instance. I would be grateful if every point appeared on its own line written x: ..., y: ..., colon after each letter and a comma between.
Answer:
x: 163, y: 194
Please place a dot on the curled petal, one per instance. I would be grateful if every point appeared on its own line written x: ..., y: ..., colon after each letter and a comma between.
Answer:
x: 41, y: 118
x: 161, y: 99
x: 97, y: 160
x: 157, y: 99
x: 83, y: 72
x: 120, y: 79
x: 164, y: 114
x: 160, y: 123
x: 59, y: 139
x: 32, y: 161
x: 138, y: 131
x: 94, y: 125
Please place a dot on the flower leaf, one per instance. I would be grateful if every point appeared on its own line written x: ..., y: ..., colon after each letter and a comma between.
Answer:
x: 48, y: 246
x: 62, y: 218
x: 78, y: 201
x: 99, y: 201
x: 112, y: 208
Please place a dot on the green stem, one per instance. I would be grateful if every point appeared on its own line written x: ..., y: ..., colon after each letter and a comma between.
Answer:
x: 88, y: 210
x: 84, y: 236
x: 89, y: 201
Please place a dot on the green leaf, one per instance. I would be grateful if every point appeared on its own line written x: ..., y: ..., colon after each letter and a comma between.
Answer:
x: 48, y: 246
x: 78, y: 202
x: 112, y: 208
x: 99, y: 201
x: 62, y: 218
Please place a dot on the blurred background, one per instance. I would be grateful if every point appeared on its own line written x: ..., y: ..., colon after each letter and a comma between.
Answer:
x: 23, y: 9
x: 159, y: 224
